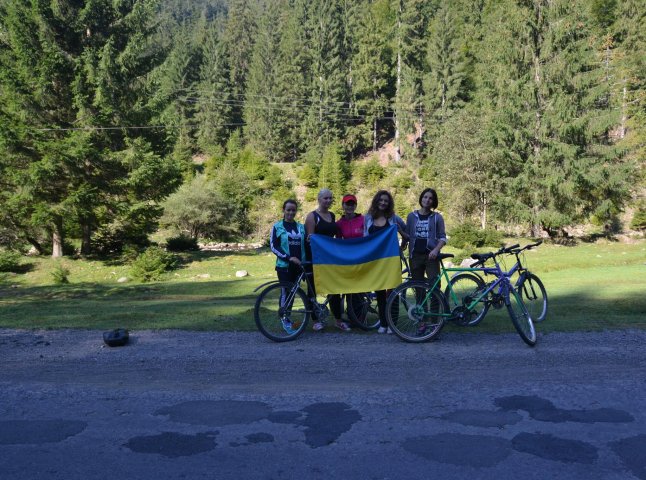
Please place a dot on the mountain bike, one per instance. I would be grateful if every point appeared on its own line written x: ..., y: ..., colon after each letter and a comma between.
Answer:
x: 531, y: 287
x: 417, y: 310
x: 467, y: 284
x: 283, y: 309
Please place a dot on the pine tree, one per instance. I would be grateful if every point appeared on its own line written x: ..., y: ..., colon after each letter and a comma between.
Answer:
x: 262, y: 103
x: 293, y: 78
x: 333, y: 174
x: 240, y: 32
x: 412, y: 18
x: 71, y: 73
x: 444, y: 81
x: 372, y: 69
x: 538, y: 83
x: 329, y: 95
x: 215, y: 102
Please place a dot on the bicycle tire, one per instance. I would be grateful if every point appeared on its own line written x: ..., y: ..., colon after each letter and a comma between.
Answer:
x: 465, y: 287
x: 520, y: 318
x: 534, y: 295
x: 362, y: 310
x: 269, y: 313
x: 414, y: 322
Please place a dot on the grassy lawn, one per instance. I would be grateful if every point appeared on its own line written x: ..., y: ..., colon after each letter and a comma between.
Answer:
x: 591, y: 286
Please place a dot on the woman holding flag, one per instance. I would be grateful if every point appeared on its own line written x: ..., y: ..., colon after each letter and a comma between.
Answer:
x: 321, y: 221
x: 380, y: 216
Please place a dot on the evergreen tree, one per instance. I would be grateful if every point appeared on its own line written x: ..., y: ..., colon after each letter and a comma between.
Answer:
x: 329, y: 95
x: 333, y: 174
x: 71, y: 82
x: 262, y: 97
x: 412, y: 18
x: 293, y: 79
x: 215, y: 102
x: 537, y: 82
x: 239, y: 36
x: 444, y: 82
x: 372, y: 73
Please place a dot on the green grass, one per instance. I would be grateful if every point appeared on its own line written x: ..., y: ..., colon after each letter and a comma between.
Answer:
x: 590, y: 286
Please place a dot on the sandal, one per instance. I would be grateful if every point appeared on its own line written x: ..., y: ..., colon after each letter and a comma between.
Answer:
x: 343, y: 326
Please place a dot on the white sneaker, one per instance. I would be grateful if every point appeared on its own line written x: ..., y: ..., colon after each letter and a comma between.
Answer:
x: 381, y: 330
x: 389, y: 331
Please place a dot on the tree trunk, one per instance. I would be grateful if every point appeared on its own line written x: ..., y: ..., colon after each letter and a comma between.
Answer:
x: 483, y: 210
x: 57, y: 238
x: 36, y: 244
x: 622, y: 129
x: 86, y: 232
x: 398, y: 85
x: 536, y: 141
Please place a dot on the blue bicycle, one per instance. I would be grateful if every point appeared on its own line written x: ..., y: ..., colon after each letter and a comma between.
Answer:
x: 417, y: 310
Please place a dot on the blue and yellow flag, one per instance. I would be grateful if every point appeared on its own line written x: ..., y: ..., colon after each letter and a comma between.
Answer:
x: 357, y: 264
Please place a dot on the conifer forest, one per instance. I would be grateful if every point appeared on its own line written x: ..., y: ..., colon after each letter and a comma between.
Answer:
x: 121, y: 117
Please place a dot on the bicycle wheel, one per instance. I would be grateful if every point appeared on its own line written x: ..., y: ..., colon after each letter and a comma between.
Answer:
x: 521, y: 318
x: 362, y: 310
x: 534, y: 295
x: 415, y: 312
x: 463, y: 289
x: 281, y: 312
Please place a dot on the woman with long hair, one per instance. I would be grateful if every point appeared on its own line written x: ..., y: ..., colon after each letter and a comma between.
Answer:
x: 380, y: 216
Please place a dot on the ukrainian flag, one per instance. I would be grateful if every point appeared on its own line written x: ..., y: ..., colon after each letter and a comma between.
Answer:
x: 356, y: 265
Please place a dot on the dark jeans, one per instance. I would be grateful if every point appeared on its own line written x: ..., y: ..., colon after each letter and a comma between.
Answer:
x: 382, y: 299
x: 420, y: 265
x: 289, y: 274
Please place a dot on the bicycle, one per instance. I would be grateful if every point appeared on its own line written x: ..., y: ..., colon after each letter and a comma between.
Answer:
x: 528, y: 285
x: 417, y: 310
x: 531, y: 287
x: 283, y: 309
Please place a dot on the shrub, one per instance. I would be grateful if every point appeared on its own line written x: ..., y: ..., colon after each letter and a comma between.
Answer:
x: 60, y: 274
x: 182, y: 243
x: 9, y: 261
x: 467, y: 236
x: 639, y: 219
x: 152, y: 264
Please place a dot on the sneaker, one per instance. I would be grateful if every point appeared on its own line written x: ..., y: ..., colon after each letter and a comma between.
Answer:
x: 287, y: 325
x: 318, y: 326
x: 382, y: 330
x: 343, y: 326
x: 421, y: 329
x: 389, y: 331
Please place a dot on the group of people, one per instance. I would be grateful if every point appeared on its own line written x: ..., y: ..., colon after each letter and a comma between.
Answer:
x: 423, y: 234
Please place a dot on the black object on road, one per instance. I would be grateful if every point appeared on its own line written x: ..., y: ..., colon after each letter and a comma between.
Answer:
x: 116, y: 338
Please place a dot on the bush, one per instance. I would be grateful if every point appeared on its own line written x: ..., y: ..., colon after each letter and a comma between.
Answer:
x: 181, y: 243
x: 639, y: 219
x: 9, y: 261
x: 60, y: 274
x: 152, y: 264
x: 467, y: 236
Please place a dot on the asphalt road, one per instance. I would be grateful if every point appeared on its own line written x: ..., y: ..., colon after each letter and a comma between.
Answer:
x: 182, y: 405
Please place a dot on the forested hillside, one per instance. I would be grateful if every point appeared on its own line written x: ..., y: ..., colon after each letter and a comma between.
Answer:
x: 117, y: 117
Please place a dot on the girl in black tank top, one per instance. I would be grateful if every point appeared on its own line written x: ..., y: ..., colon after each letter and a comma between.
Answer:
x: 315, y: 223
x: 324, y: 227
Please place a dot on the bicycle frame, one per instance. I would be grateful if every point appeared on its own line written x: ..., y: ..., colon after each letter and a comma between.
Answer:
x: 305, y: 276
x: 502, y: 283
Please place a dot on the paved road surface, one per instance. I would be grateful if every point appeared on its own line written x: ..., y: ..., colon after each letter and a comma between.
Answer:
x: 181, y: 405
